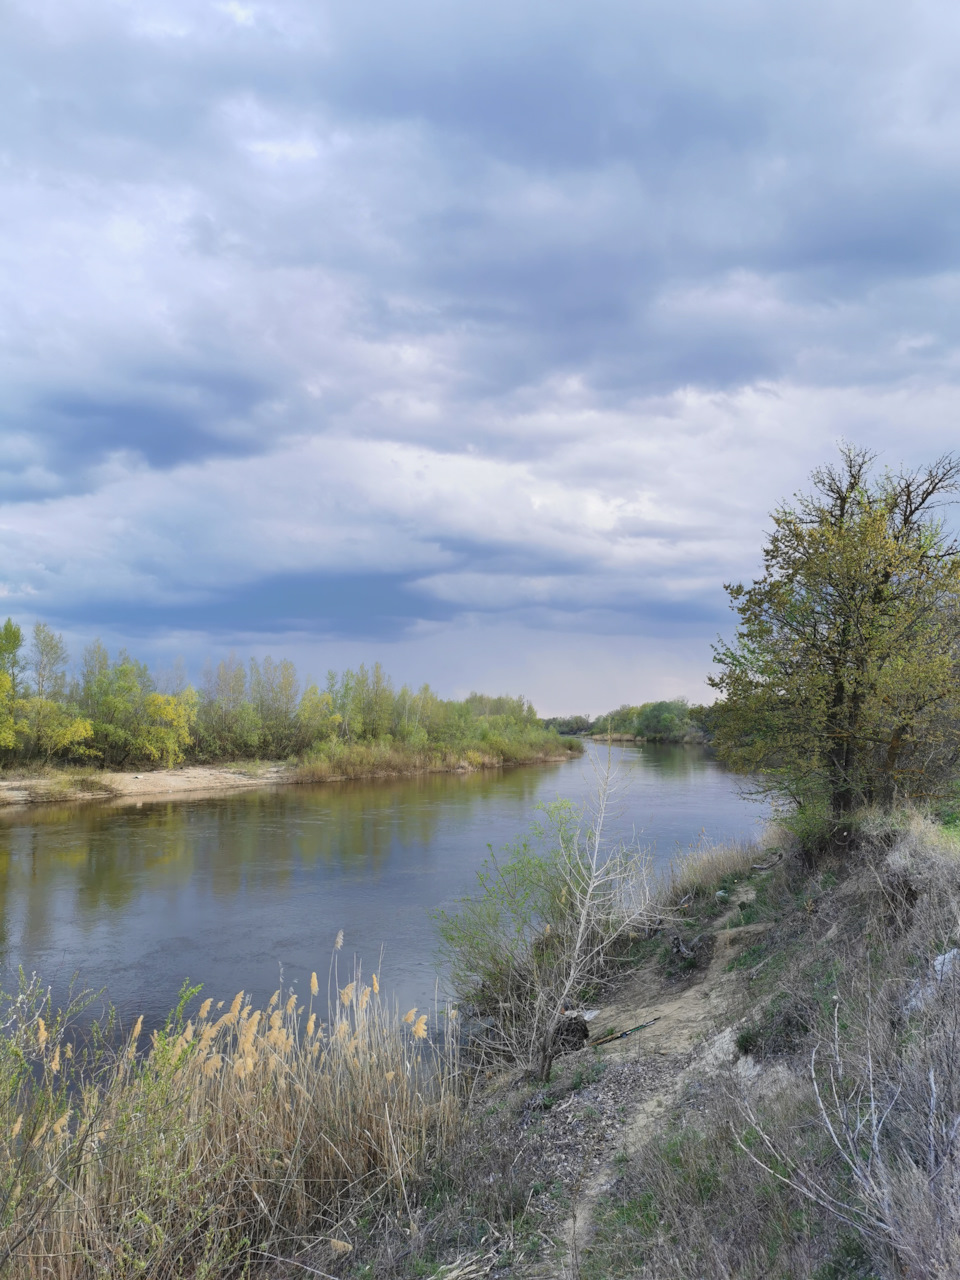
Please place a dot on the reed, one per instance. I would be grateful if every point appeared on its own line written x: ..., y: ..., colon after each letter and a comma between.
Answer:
x: 708, y: 867
x: 334, y: 760
x: 234, y: 1133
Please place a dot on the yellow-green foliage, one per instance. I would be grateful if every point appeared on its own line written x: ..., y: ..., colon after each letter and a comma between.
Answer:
x: 842, y: 686
x: 169, y: 720
x: 8, y: 737
x: 234, y: 1132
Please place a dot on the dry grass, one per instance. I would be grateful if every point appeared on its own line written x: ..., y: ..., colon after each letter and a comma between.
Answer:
x: 51, y: 784
x: 846, y: 1163
x: 234, y: 1134
x: 708, y: 866
x: 336, y: 760
x: 691, y: 1204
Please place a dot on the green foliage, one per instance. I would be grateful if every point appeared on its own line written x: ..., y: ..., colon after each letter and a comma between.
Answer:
x: 275, y: 696
x: 8, y: 736
x: 842, y: 687
x: 48, y: 662
x: 540, y: 930
x: 504, y: 928
x: 568, y: 724
x: 667, y: 721
x: 113, y: 713
x: 53, y: 729
x: 130, y: 722
x: 623, y: 720
x: 664, y: 721
x: 12, y: 661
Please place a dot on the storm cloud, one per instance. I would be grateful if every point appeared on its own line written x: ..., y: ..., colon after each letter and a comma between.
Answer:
x: 359, y: 330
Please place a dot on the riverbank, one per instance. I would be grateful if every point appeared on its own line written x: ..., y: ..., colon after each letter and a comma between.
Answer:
x: 772, y: 1091
x: 779, y: 1025
x: 74, y: 786
x: 693, y: 1137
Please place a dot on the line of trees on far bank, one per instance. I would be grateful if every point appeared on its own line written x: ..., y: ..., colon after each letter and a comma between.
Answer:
x: 669, y: 721
x: 113, y: 712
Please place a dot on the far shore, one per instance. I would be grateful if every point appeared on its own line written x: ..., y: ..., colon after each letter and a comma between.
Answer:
x: 69, y: 786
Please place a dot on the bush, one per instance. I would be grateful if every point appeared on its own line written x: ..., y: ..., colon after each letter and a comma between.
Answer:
x: 547, y: 917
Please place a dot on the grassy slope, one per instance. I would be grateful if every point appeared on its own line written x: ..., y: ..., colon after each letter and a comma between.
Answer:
x: 737, y: 1179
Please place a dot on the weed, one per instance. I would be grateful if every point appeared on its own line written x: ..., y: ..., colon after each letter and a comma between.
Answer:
x: 536, y: 937
x: 782, y: 1028
x: 748, y: 957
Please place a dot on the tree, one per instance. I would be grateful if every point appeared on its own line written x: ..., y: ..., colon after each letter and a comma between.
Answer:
x: 129, y: 720
x: 843, y: 684
x: 275, y: 694
x: 8, y: 738
x: 663, y: 721
x: 316, y: 721
x: 228, y: 724
x: 12, y: 661
x: 165, y: 733
x: 48, y: 661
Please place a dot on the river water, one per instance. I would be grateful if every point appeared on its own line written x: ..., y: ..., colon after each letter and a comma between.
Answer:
x: 233, y: 891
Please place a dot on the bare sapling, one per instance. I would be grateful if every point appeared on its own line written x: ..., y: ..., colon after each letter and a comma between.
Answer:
x: 540, y: 933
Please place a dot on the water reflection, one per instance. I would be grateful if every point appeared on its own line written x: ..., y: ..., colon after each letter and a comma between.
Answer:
x: 227, y: 890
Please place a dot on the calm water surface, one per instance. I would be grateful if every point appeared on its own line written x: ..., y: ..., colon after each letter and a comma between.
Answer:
x: 229, y: 891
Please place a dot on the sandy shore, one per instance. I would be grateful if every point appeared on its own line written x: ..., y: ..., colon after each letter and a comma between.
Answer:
x: 194, y: 780
x: 154, y: 784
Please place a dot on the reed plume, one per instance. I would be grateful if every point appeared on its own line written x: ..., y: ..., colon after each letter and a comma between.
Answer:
x: 234, y: 1136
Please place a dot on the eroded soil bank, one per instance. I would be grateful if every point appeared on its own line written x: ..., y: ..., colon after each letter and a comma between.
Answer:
x: 606, y: 1101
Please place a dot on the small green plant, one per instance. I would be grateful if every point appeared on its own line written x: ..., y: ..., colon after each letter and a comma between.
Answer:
x: 538, y: 935
x: 747, y: 913
x: 748, y: 957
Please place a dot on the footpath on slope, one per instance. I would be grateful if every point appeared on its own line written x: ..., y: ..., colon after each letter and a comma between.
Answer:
x: 579, y: 1140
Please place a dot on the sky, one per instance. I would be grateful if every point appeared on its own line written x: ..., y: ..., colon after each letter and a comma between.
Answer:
x: 479, y: 339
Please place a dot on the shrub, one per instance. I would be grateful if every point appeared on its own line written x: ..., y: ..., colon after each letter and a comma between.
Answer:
x: 542, y: 927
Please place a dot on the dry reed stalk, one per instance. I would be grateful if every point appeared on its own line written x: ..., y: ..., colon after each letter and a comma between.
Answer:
x: 702, y: 868
x: 252, y: 1130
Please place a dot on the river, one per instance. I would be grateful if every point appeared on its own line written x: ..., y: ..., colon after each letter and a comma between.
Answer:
x: 233, y: 891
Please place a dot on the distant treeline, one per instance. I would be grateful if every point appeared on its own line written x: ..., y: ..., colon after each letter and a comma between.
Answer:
x: 674, y: 721
x: 113, y: 712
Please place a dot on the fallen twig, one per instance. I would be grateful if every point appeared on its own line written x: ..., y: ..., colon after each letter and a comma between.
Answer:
x: 765, y: 866
x: 621, y: 1035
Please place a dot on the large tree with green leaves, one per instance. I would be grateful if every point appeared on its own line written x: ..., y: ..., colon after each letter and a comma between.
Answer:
x: 842, y: 686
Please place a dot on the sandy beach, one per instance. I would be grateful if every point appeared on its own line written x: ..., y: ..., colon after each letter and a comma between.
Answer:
x: 136, y: 786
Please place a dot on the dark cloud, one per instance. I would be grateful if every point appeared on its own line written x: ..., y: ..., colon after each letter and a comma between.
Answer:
x: 376, y: 606
x: 172, y: 417
x: 592, y: 286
